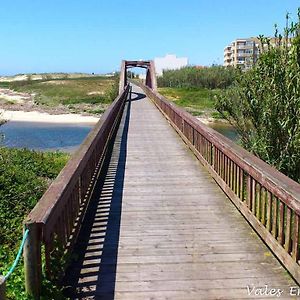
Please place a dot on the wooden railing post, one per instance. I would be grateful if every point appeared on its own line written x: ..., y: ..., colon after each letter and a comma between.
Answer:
x: 32, y: 261
x: 2, y: 288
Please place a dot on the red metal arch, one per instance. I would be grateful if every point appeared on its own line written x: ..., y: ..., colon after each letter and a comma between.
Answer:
x: 146, y: 64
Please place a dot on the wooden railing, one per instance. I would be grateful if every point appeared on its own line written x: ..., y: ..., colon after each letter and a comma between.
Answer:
x: 269, y: 200
x: 55, y: 220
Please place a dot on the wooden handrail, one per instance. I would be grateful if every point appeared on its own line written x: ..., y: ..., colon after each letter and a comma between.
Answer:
x: 66, y: 178
x: 57, y: 216
x: 268, y: 199
x: 280, y: 184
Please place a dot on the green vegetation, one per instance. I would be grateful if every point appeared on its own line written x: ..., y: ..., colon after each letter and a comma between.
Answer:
x: 197, y: 101
x: 51, y: 92
x: 24, y: 177
x: 194, y: 88
x: 5, y: 84
x: 264, y: 103
x: 215, y: 77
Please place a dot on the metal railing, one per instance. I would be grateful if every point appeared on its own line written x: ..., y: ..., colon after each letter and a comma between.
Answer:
x: 268, y: 199
x: 56, y: 218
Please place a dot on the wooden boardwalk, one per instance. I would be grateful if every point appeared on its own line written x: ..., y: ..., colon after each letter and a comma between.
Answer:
x: 158, y: 226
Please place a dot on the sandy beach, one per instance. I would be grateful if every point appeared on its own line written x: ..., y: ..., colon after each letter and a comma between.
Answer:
x: 35, y: 116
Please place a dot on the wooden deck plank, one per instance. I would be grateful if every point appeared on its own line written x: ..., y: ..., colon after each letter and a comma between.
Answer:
x: 160, y: 228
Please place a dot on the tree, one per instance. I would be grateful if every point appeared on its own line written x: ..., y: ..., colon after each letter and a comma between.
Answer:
x: 264, y: 102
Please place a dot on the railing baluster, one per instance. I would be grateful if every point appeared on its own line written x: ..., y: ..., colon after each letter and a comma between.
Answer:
x: 233, y: 176
x: 225, y: 168
x: 249, y: 191
x: 241, y: 189
x: 230, y: 173
x: 296, y: 238
x: 275, y: 216
x: 258, y: 200
x: 216, y: 161
x: 281, y: 223
x: 236, y: 180
x: 287, y: 244
x: 253, y: 194
x: 222, y: 166
x: 269, y: 211
x: 263, y: 205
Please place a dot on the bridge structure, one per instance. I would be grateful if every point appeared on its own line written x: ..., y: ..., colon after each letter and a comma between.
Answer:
x: 150, y: 73
x: 156, y: 205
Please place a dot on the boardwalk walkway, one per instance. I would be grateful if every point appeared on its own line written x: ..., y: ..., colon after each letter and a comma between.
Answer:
x: 158, y: 226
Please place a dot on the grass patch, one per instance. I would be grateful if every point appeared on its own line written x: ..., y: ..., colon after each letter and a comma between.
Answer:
x: 24, y: 177
x: 197, y: 101
x: 91, y: 90
x: 4, y: 85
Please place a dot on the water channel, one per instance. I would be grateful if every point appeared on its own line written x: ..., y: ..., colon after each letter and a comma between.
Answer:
x: 43, y: 136
x: 63, y: 137
x: 225, y: 129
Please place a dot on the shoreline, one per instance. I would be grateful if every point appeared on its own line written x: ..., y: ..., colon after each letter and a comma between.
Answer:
x: 43, y: 117
x: 209, y: 120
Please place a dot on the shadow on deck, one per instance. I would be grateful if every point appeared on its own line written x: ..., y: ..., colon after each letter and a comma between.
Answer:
x: 92, y: 272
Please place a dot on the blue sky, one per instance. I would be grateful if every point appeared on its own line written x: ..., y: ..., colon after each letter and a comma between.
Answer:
x: 95, y: 35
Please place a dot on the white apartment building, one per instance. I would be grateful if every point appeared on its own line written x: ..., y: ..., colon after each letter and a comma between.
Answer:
x: 242, y: 53
x: 169, y: 62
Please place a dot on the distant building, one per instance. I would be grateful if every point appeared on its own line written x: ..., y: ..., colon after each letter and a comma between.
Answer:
x: 169, y: 62
x: 242, y: 53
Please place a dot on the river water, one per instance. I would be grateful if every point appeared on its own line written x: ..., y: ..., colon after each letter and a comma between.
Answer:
x: 43, y: 136
x: 225, y: 129
x: 63, y: 137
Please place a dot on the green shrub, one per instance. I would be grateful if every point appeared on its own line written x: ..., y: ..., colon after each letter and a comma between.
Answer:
x: 24, y: 177
x: 264, y: 103
x: 215, y: 77
x: 194, y: 100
